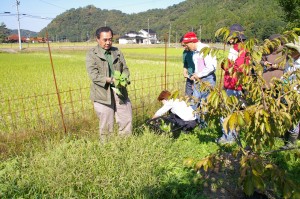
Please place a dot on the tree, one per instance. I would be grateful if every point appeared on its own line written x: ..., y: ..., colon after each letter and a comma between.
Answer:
x: 268, y: 114
x: 4, y: 32
x: 292, y: 12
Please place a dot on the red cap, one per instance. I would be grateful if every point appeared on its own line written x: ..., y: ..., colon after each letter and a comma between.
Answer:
x: 190, y: 37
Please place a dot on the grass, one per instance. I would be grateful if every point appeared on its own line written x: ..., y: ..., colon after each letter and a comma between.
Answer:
x: 50, y: 164
x: 140, y: 166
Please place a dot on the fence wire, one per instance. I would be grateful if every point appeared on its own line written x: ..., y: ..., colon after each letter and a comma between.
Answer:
x: 42, y: 112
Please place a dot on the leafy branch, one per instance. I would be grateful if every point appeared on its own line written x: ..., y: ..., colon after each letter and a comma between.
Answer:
x: 269, y: 112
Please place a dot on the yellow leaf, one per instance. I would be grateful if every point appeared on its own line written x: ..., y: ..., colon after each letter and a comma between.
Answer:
x: 268, y: 127
x: 262, y: 127
x: 247, y: 117
x: 241, y: 121
x: 216, y: 102
x: 265, y: 113
x: 199, y: 164
x: 233, y: 121
x: 224, y: 95
x: 188, y: 162
x: 174, y: 95
x: 225, y: 124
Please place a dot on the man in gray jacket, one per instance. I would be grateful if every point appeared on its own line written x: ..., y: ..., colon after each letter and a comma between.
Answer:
x: 101, y: 63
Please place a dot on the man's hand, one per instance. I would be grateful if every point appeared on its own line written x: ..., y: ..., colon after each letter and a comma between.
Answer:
x: 110, y: 80
x: 194, y: 77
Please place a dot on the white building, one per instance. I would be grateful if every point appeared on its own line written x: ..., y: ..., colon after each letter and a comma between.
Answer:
x: 141, y: 37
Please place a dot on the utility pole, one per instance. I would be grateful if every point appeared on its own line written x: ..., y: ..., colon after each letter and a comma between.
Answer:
x: 19, y: 31
x: 170, y: 35
x: 200, y: 31
x: 148, y: 33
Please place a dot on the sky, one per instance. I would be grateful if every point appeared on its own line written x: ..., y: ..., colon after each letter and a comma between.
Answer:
x: 37, y: 14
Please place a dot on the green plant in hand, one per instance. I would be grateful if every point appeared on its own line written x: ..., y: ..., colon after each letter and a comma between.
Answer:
x: 121, y: 80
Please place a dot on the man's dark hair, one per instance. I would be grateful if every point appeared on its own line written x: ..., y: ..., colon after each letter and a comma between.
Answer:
x: 181, y: 39
x: 103, y: 29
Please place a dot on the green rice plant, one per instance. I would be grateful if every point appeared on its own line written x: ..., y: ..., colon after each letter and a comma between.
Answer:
x: 28, y: 96
x: 27, y: 90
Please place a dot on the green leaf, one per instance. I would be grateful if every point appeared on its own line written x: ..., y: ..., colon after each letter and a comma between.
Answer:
x: 241, y: 120
x: 258, y: 182
x: 117, y: 74
x: 287, y: 190
x: 248, y: 186
x: 117, y: 91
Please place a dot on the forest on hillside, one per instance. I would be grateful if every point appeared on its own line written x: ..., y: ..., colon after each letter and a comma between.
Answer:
x: 260, y: 18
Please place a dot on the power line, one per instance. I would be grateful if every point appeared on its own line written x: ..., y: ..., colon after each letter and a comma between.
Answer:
x: 53, y: 5
x: 25, y: 15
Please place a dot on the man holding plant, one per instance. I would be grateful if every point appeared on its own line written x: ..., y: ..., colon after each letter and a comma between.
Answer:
x: 109, y: 75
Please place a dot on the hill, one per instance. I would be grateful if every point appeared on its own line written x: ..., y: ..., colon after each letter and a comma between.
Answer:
x: 260, y: 18
x: 26, y: 33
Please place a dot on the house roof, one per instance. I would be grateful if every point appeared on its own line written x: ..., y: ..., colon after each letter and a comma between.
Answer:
x: 132, y: 32
x: 150, y: 31
x: 15, y: 37
x: 124, y: 37
x: 127, y: 37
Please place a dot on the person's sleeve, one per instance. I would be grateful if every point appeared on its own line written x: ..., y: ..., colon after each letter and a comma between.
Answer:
x: 242, y: 59
x: 166, y: 107
x: 93, y: 71
x: 210, y: 66
x: 184, y: 61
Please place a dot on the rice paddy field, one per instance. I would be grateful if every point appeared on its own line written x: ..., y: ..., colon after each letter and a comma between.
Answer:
x: 28, y: 95
x: 29, y: 72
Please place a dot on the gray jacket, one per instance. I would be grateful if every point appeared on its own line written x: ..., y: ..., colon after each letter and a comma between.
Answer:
x: 98, y: 70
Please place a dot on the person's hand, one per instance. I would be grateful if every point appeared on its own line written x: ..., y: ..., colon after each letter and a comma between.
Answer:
x: 110, y: 80
x: 194, y: 77
x: 186, y: 76
x: 268, y: 64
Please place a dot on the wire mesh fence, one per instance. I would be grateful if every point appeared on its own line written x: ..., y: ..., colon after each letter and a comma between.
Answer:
x: 42, y: 112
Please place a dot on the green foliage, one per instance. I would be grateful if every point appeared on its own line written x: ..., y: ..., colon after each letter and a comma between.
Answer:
x: 291, y: 12
x: 263, y: 114
x: 259, y: 18
x: 4, y: 32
